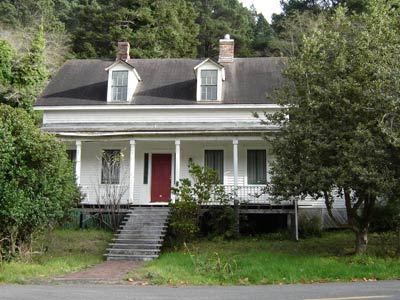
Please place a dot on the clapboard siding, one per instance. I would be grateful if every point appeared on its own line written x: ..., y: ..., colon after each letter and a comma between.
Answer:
x: 152, y: 115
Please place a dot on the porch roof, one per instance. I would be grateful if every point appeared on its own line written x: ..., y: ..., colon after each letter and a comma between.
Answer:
x: 159, y: 128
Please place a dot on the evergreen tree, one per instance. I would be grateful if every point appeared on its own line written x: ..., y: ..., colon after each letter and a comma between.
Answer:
x: 263, y: 35
x: 219, y: 17
x: 170, y: 30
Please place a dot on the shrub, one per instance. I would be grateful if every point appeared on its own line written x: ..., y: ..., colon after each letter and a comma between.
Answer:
x: 189, y: 195
x: 37, y: 184
x: 310, y: 226
x: 386, y: 217
x: 220, y: 221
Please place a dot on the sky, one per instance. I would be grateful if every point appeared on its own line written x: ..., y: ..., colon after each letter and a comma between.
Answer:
x: 266, y: 7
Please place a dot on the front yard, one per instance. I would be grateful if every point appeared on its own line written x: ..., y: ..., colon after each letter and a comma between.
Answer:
x: 268, y: 259
x: 273, y: 260
x: 56, y: 253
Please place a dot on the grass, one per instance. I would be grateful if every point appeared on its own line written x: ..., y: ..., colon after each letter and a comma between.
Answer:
x: 57, y: 253
x: 273, y: 260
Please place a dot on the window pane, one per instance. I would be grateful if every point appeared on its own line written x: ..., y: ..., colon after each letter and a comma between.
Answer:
x: 213, y: 93
x: 119, y: 86
x: 209, y: 84
x: 214, y: 159
x: 110, y: 166
x: 256, y: 167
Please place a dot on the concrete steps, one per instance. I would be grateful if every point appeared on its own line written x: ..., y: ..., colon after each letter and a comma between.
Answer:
x: 140, y: 235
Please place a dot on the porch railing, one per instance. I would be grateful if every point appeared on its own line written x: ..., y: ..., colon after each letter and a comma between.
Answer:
x: 250, y: 194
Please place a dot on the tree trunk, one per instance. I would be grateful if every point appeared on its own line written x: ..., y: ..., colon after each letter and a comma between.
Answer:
x: 361, y: 241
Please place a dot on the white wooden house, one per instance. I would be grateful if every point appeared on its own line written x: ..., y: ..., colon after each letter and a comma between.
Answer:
x: 159, y: 113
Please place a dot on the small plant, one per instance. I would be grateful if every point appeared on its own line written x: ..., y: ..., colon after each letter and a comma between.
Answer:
x: 220, y: 267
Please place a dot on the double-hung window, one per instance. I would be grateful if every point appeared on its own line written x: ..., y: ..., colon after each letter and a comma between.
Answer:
x: 214, y: 159
x: 256, y: 167
x: 119, y: 86
x: 110, y: 166
x: 209, y: 85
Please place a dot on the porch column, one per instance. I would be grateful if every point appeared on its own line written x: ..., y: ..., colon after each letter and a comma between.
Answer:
x: 132, y: 158
x: 177, y: 160
x: 235, y: 163
x: 78, y: 145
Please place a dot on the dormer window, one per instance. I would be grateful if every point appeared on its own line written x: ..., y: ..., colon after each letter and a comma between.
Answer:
x: 119, y: 85
x: 122, y: 82
x: 209, y: 85
x: 209, y: 76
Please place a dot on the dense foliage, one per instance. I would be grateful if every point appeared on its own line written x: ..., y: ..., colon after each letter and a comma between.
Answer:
x: 22, y: 76
x: 37, y: 184
x: 344, y: 80
x: 155, y: 28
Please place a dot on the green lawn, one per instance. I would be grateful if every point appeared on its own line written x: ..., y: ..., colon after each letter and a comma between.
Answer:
x: 56, y: 253
x: 271, y: 260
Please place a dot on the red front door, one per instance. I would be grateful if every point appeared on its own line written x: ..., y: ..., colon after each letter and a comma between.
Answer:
x: 161, y: 177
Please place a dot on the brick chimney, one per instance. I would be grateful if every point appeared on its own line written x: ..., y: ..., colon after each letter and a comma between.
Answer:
x: 226, y: 49
x: 123, y: 51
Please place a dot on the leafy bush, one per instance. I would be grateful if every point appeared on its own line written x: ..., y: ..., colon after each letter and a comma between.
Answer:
x: 184, y: 221
x: 189, y: 195
x: 310, y: 226
x: 386, y: 216
x: 220, y: 221
x: 37, y: 183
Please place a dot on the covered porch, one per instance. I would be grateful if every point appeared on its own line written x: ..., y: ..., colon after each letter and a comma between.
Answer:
x: 149, y: 166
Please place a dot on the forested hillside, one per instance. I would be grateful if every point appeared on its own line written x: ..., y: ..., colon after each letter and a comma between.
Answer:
x: 156, y: 28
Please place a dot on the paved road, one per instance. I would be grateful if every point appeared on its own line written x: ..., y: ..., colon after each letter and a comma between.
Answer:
x: 333, y: 291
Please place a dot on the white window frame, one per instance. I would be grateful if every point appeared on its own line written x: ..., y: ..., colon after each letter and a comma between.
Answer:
x: 224, y: 166
x: 209, y: 65
x: 246, y: 165
x: 116, y: 87
x: 105, y: 182
x: 206, y: 84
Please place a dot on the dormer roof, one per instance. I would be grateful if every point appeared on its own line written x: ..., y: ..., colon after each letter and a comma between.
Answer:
x: 125, y: 63
x: 217, y: 65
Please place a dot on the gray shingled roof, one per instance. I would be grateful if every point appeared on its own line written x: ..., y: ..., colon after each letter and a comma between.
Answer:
x: 164, y: 82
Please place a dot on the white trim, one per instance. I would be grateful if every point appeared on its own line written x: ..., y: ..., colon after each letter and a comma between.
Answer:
x: 177, y: 161
x: 132, y: 160
x: 151, y: 139
x: 112, y: 106
x: 235, y: 143
x: 246, y: 177
x: 206, y: 61
x: 120, y: 61
x: 87, y: 135
x: 132, y: 82
x: 216, y: 147
x: 78, y: 145
x: 209, y: 65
